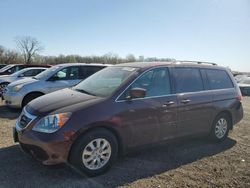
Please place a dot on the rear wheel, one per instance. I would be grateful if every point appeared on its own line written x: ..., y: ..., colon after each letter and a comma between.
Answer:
x: 94, y: 152
x: 220, y: 128
x: 30, y: 97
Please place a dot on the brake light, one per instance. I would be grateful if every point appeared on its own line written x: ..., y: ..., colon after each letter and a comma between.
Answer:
x: 239, y: 97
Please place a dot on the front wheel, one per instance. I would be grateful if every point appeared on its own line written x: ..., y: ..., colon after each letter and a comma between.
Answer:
x: 94, y: 152
x: 220, y: 127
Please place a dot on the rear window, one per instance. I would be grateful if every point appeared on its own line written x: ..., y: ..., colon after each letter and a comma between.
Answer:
x: 219, y: 79
x: 188, y: 80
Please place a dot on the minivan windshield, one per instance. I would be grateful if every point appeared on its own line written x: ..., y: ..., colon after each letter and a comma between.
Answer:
x: 105, y: 82
x: 19, y: 72
x: 44, y: 75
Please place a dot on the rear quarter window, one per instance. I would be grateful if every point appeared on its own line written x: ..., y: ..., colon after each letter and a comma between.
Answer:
x: 219, y: 79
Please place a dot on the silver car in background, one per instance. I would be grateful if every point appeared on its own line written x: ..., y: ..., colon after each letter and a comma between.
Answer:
x: 20, y: 93
x: 27, y: 72
x: 244, y: 85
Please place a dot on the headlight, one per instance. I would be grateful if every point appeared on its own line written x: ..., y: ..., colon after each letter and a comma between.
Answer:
x: 52, y: 123
x: 17, y: 88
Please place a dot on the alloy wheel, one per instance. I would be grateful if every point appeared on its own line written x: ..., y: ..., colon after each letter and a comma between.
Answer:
x: 221, y: 128
x: 96, y: 154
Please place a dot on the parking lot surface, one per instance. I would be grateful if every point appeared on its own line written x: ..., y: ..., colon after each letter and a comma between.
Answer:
x: 187, y: 163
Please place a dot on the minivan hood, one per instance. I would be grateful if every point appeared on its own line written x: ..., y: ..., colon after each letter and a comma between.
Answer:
x: 57, y: 100
x: 23, y: 81
x: 5, y: 78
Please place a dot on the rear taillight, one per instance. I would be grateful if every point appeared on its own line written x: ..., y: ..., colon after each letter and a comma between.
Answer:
x: 239, y: 97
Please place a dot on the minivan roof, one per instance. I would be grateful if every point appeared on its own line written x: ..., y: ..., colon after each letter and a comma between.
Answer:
x: 82, y: 64
x: 172, y: 63
x: 31, y: 68
x: 27, y: 64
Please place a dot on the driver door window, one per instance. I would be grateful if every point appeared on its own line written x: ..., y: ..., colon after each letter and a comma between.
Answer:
x: 156, y: 82
x: 69, y: 73
x: 61, y: 75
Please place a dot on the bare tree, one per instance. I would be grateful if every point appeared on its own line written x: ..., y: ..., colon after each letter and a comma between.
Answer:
x: 9, y: 56
x: 130, y: 58
x: 28, y: 46
x: 1, y: 50
x: 1, y: 54
x: 111, y: 58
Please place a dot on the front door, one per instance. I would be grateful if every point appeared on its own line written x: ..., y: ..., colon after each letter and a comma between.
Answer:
x: 153, y: 117
x: 66, y: 77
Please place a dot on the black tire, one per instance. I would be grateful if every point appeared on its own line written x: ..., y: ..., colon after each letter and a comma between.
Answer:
x: 76, y: 154
x: 215, y: 134
x: 30, y: 97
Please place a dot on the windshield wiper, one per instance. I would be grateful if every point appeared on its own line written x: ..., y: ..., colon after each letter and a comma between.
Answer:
x: 83, y: 91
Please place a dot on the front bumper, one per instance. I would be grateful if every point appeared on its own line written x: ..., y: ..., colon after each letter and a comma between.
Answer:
x: 47, y: 148
x: 13, y: 100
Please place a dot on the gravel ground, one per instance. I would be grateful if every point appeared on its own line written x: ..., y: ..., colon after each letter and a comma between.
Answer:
x: 189, y: 163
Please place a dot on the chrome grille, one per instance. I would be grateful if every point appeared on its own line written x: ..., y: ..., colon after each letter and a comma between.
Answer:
x: 24, y: 120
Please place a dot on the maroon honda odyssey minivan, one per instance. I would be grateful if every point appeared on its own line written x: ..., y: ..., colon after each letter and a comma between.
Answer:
x: 125, y: 106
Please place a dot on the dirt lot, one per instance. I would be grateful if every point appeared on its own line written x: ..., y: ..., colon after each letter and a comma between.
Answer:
x: 189, y: 163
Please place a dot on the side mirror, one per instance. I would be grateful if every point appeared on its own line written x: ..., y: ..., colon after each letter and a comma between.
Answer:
x: 137, y: 93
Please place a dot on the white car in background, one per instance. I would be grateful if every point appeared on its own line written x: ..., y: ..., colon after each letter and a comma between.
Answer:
x: 27, y: 72
x: 244, y: 85
x: 21, y: 92
x: 240, y: 77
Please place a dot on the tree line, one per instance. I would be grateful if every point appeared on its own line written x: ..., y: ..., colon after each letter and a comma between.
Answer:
x: 29, y: 49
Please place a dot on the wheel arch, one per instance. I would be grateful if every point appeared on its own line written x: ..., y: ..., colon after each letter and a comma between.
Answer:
x: 30, y: 93
x: 229, y: 114
x: 105, y: 126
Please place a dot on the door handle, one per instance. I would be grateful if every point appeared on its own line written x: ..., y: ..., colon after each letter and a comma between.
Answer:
x: 168, y: 103
x: 185, y: 101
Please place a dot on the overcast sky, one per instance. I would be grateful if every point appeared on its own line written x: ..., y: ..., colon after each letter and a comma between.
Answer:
x: 206, y: 30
